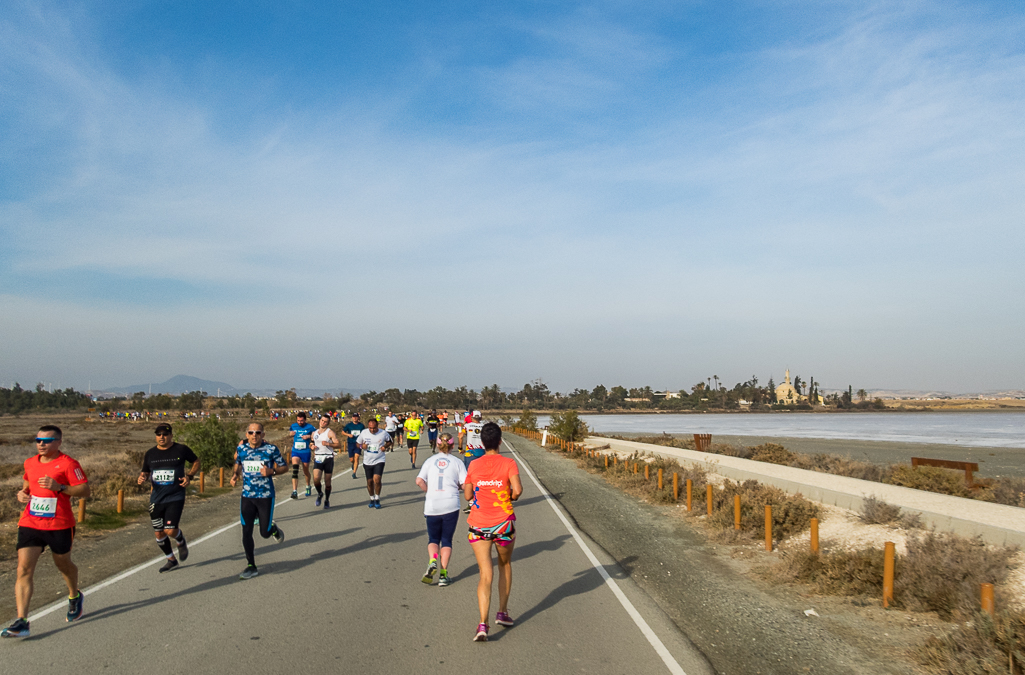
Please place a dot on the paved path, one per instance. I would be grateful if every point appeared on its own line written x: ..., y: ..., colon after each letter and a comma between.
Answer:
x: 343, y: 592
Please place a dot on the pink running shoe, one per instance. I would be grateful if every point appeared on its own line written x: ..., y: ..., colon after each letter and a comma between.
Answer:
x: 482, y: 633
x: 503, y: 619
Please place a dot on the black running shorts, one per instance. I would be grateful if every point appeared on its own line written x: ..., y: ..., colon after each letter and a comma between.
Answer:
x: 327, y: 465
x: 59, y: 541
x: 412, y: 442
x: 371, y: 470
x: 166, y: 515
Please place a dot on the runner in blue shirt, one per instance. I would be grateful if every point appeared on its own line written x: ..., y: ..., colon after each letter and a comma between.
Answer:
x: 257, y: 462
x: 351, y: 431
x: 300, y: 432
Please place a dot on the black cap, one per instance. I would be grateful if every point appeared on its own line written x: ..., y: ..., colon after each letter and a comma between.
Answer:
x: 164, y: 426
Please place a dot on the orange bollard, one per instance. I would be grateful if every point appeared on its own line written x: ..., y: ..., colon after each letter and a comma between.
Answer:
x: 708, y: 496
x: 606, y: 461
x: 690, y: 485
x: 615, y: 460
x: 635, y: 467
x: 768, y: 527
x: 120, y: 501
x: 814, y: 535
x: 736, y: 512
x: 676, y: 487
x: 646, y: 476
x: 887, y: 574
x: 660, y: 479
x: 987, y: 599
x: 202, y: 481
x: 222, y: 477
x: 81, y: 510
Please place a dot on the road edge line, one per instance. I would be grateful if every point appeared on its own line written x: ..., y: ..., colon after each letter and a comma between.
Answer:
x: 141, y: 566
x: 671, y: 663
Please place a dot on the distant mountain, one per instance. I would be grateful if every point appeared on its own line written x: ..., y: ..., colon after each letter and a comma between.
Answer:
x: 177, y: 385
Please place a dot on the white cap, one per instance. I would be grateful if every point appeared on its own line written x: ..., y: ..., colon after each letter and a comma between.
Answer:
x: 476, y: 413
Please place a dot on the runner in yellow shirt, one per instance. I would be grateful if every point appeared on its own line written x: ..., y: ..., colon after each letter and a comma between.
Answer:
x: 413, y: 426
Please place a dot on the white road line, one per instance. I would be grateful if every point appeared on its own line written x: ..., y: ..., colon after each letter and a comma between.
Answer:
x: 660, y: 648
x: 138, y: 568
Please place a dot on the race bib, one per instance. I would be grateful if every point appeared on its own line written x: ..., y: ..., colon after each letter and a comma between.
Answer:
x: 252, y: 466
x: 300, y: 445
x: 43, y: 507
x: 163, y: 477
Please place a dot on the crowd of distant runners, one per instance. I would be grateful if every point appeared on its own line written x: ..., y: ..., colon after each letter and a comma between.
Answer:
x: 466, y: 464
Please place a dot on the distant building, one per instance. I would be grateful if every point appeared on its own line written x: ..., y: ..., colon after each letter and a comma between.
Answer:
x: 787, y: 395
x: 666, y: 394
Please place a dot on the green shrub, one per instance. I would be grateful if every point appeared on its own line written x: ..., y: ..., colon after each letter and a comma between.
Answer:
x: 528, y: 421
x: 834, y: 573
x: 791, y: 514
x: 568, y: 426
x: 213, y: 440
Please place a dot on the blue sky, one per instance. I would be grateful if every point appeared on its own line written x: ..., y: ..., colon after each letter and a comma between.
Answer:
x: 327, y: 194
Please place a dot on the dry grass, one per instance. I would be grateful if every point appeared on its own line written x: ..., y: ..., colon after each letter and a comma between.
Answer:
x: 980, y: 646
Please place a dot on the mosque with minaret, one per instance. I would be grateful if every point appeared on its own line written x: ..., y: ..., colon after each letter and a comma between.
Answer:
x: 787, y: 394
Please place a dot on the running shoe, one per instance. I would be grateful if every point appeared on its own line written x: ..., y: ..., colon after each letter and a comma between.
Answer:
x: 308, y: 491
x: 443, y: 578
x: 467, y: 509
x: 482, y: 633
x: 317, y: 503
x: 249, y: 572
x: 354, y: 475
x: 169, y: 565
x: 295, y: 495
x: 17, y: 629
x: 74, y: 607
x: 371, y: 503
x: 183, y: 551
x: 503, y: 619
x: 429, y: 574
x: 327, y: 503
x: 279, y: 534
x: 377, y: 503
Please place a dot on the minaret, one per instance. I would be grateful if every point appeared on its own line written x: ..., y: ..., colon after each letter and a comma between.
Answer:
x: 788, y: 376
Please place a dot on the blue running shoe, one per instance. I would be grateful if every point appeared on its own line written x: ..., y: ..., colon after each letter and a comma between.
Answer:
x: 75, y: 607
x: 371, y: 505
x: 317, y: 503
x: 18, y: 629
x: 377, y: 504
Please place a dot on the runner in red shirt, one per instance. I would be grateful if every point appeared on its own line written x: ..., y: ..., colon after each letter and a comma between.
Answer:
x: 51, y: 479
x: 492, y: 484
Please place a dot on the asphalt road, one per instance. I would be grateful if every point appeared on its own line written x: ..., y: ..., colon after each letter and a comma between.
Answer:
x: 343, y: 592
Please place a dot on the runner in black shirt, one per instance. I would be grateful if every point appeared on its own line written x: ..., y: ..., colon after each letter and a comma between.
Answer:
x: 433, y: 424
x: 164, y: 466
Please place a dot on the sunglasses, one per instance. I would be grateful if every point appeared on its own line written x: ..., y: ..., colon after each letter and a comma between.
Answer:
x: 256, y: 433
x: 163, y: 433
x: 46, y: 441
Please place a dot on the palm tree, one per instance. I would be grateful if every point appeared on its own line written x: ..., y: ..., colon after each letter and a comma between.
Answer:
x: 862, y: 395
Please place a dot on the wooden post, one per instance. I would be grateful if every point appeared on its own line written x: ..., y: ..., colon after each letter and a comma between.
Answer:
x: 690, y: 485
x: 987, y: 599
x: 635, y: 467
x: 814, y: 535
x: 660, y: 479
x: 606, y: 461
x: 676, y: 487
x: 768, y: 527
x: 646, y: 467
x: 222, y: 477
x: 708, y: 497
x: 81, y: 510
x: 202, y: 482
x: 120, y: 501
x: 736, y: 512
x: 887, y: 574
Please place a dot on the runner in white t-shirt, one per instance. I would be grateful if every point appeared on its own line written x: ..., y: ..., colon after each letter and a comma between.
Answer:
x: 441, y: 477
x: 325, y: 444
x: 374, y: 442
x: 391, y: 425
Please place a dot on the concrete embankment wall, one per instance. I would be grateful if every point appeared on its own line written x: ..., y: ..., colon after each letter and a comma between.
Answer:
x: 995, y: 523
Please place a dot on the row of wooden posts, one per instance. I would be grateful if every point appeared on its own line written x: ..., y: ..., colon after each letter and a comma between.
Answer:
x: 121, y: 495
x: 986, y: 594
